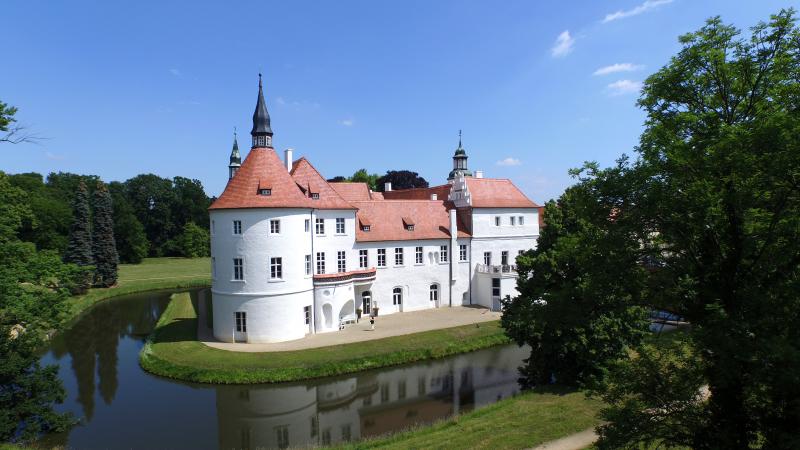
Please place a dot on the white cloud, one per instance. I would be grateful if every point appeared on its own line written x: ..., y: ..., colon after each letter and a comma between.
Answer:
x: 619, y: 67
x: 175, y: 72
x: 347, y: 122
x: 644, y: 7
x: 622, y: 87
x: 509, y: 162
x: 563, y: 45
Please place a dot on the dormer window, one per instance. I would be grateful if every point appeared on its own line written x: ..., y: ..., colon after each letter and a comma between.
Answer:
x: 365, y: 227
x: 410, y: 227
x: 265, y: 192
x: 408, y: 222
x: 314, y: 196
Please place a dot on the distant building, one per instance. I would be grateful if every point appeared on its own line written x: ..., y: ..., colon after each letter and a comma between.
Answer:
x: 293, y: 254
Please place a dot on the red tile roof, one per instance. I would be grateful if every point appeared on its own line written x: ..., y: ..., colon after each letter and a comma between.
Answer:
x: 352, y: 191
x: 497, y: 193
x: 419, y: 193
x: 311, y: 182
x: 386, y: 219
x: 261, y: 168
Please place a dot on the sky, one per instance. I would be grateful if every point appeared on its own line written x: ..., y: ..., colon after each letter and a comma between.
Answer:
x: 538, y: 87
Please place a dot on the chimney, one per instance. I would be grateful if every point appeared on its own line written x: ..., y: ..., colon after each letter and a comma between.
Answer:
x: 434, y: 197
x: 288, y: 157
x: 478, y: 174
x: 387, y: 187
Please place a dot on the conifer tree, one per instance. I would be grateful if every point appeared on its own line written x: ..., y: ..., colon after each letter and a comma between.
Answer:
x: 104, y: 247
x: 79, y: 248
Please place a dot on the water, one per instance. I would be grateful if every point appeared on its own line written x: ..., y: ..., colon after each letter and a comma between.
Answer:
x: 122, y: 406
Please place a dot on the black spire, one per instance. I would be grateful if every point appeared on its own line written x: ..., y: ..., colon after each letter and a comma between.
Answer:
x: 459, y: 162
x: 261, y: 132
x: 235, y: 156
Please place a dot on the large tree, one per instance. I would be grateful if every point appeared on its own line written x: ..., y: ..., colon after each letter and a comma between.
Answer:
x: 79, y: 247
x: 153, y: 201
x: 132, y: 244
x: 401, y: 179
x: 104, y: 247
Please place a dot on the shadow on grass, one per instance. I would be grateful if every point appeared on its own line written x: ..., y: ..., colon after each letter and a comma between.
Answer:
x: 181, y: 329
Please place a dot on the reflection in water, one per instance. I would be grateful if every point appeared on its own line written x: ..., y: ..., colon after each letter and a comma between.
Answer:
x: 364, y: 405
x: 124, y: 407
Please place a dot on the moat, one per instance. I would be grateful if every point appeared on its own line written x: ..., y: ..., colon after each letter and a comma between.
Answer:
x: 121, y: 406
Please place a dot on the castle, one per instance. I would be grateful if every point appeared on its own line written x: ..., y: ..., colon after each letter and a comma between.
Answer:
x: 293, y: 254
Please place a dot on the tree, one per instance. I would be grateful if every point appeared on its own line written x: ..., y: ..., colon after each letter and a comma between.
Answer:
x: 79, y: 248
x: 153, y: 201
x: 401, y: 179
x: 338, y: 179
x: 194, y: 241
x: 191, y: 203
x: 582, y: 287
x: 361, y: 176
x: 129, y: 233
x: 32, y: 299
x: 104, y: 247
x: 52, y: 214
x: 12, y: 133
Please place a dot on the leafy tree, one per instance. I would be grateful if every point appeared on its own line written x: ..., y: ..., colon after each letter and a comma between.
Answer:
x: 581, y: 288
x: 129, y: 233
x: 52, y: 215
x: 153, y: 200
x: 194, y: 241
x: 401, y: 179
x: 104, y: 247
x: 79, y: 248
x: 32, y: 299
x: 10, y: 132
x: 338, y: 179
x: 191, y: 203
x: 361, y: 176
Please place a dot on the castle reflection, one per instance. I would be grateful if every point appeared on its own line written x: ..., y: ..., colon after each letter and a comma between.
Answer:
x: 366, y: 404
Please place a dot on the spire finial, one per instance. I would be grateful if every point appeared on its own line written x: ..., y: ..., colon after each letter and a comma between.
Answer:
x: 259, y: 80
x: 459, y: 138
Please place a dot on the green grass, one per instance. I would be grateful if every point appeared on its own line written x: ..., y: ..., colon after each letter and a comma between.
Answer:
x: 173, y: 351
x: 152, y: 274
x: 524, y: 421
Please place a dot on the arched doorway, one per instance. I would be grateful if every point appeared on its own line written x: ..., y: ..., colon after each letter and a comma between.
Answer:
x: 366, y: 303
x: 434, y: 294
x: 327, y: 314
x: 397, y: 298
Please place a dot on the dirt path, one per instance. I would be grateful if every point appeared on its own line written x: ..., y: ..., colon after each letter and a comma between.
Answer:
x: 575, y: 441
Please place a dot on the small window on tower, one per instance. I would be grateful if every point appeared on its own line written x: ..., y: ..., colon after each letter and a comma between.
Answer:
x: 265, y: 192
x: 364, y: 227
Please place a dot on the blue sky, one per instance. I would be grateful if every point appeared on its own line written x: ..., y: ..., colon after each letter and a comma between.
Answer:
x: 122, y: 88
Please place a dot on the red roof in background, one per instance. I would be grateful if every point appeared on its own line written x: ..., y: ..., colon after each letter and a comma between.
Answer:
x: 262, y: 167
x: 352, y: 191
x: 309, y: 179
x: 419, y: 193
x: 497, y: 193
x: 385, y: 217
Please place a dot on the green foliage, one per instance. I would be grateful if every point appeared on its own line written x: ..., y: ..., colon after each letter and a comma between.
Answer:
x: 132, y: 244
x: 6, y: 116
x: 401, y: 179
x: 362, y: 176
x: 104, y: 248
x: 194, y: 241
x: 152, y: 200
x: 582, y: 288
x: 79, y: 247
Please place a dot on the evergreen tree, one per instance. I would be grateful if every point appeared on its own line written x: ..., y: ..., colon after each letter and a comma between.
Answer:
x: 104, y: 247
x: 79, y: 248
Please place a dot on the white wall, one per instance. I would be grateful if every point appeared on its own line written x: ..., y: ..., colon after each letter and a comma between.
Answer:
x: 483, y: 222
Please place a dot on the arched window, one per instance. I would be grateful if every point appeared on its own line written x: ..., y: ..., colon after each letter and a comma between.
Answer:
x: 434, y: 295
x: 397, y: 296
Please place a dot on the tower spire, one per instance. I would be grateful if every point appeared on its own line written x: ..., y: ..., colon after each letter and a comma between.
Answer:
x: 459, y: 162
x: 261, y: 132
x: 236, y: 159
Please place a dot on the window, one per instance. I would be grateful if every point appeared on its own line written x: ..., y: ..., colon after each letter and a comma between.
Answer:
x: 238, y: 269
x: 434, y: 294
x: 326, y: 436
x: 363, y: 259
x: 320, y: 262
x: 497, y: 221
x: 443, y: 256
x: 347, y: 434
x: 341, y: 261
x: 213, y: 267
x: 364, y: 227
x: 314, y: 426
x: 265, y: 192
x: 275, y: 226
x: 504, y: 257
x: 241, y: 321
x: 462, y: 252
x: 307, y: 314
x: 521, y: 220
x: 398, y: 256
x: 276, y: 268
x: 237, y: 227
x: 422, y: 386
x: 513, y: 221
x: 384, y: 392
x: 418, y: 255
x: 381, y: 257
x: 401, y: 389
x: 519, y: 252
x: 308, y: 264
x: 340, y: 225
x: 496, y: 287
x: 320, y: 226
x: 487, y: 258
x: 397, y: 296
x: 282, y: 433
x: 410, y: 227
x: 314, y: 196
x: 308, y: 225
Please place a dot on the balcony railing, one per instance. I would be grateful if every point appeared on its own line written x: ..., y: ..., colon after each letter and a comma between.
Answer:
x: 355, y: 275
x: 502, y: 268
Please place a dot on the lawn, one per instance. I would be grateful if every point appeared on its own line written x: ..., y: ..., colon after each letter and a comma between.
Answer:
x: 152, y: 274
x: 173, y: 351
x: 524, y: 421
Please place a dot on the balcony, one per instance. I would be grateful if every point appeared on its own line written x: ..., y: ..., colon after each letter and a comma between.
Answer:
x: 510, y: 269
x: 358, y: 276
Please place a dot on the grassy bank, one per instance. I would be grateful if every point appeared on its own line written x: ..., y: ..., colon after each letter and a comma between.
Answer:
x: 152, y: 274
x: 173, y: 351
x: 524, y: 421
